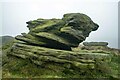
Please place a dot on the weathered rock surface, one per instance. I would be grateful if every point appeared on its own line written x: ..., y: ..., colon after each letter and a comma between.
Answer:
x: 63, y: 33
x: 40, y: 55
x: 56, y: 63
x: 29, y: 61
x: 47, y: 51
x: 95, y: 43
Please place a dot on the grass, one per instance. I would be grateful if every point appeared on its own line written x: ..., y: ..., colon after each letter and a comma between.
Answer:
x: 15, y: 67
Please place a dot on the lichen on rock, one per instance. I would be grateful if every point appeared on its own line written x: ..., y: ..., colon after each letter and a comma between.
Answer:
x: 62, y: 34
x: 46, y: 50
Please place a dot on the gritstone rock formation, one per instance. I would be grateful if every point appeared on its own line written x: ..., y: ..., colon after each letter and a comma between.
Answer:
x: 95, y: 44
x: 47, y: 48
x: 61, y: 34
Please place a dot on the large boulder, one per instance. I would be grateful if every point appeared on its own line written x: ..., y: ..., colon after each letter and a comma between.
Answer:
x: 46, y: 51
x: 63, y: 33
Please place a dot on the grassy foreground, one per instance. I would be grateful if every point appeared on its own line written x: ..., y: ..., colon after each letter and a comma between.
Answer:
x: 96, y: 66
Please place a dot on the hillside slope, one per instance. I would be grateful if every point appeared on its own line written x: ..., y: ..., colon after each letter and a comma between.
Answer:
x: 5, y: 39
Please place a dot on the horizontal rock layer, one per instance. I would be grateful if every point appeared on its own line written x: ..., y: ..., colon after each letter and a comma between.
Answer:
x: 95, y: 43
x: 41, y: 55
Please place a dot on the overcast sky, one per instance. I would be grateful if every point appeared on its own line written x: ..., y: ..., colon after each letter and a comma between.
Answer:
x: 104, y: 13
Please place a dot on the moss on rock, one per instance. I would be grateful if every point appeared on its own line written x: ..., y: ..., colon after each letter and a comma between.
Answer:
x: 45, y: 51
